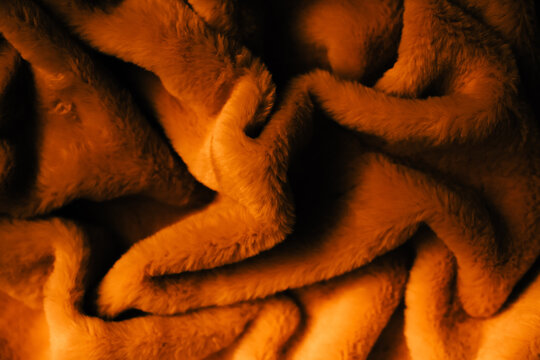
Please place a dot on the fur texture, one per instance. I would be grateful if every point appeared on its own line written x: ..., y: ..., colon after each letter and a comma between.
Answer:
x: 356, y: 180
x: 74, y: 333
x: 476, y: 109
x: 462, y: 222
x: 82, y: 121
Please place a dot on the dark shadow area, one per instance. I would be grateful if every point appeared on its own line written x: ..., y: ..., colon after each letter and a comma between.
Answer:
x: 19, y: 131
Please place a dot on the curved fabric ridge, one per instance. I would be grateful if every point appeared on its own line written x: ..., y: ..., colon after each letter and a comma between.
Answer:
x: 237, y: 179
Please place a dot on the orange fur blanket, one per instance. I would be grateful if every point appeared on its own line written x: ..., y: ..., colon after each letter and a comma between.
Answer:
x: 235, y: 179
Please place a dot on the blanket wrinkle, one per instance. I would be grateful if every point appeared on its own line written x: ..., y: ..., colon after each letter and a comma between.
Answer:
x: 488, y: 64
x: 97, y: 122
x: 144, y: 337
x: 224, y: 179
x: 205, y: 142
x: 334, y: 305
x: 442, y: 321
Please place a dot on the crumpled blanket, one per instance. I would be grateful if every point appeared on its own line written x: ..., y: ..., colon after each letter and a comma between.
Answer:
x: 220, y: 179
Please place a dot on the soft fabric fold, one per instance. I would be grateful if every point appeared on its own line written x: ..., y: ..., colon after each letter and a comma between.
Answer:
x: 232, y: 179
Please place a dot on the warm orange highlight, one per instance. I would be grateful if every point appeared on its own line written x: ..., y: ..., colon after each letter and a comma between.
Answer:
x: 318, y: 179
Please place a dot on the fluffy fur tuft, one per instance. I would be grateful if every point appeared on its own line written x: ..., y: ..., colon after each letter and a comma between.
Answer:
x: 200, y: 180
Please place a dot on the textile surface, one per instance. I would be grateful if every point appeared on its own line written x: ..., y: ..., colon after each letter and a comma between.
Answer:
x: 220, y: 179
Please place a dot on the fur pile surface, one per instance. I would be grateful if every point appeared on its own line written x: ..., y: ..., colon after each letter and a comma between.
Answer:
x: 235, y: 179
